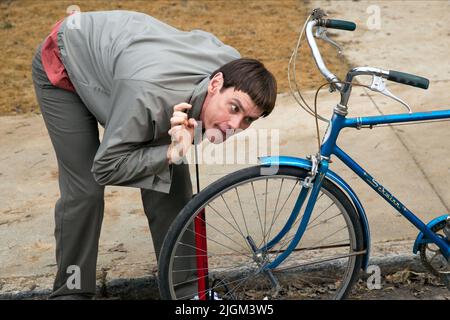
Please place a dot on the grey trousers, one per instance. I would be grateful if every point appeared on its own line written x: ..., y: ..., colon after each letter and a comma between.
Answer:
x: 74, y: 134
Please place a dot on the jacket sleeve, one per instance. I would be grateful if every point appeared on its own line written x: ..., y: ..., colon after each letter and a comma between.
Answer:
x: 128, y: 155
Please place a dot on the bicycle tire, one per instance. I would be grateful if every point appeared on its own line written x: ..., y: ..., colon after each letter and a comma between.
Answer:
x: 180, y: 229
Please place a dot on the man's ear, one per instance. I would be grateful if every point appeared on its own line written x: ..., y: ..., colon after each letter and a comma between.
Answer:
x: 216, y: 83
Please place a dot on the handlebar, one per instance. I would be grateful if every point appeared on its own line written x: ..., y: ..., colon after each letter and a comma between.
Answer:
x: 409, y: 79
x: 345, y: 89
x: 337, y: 24
x: 317, y: 56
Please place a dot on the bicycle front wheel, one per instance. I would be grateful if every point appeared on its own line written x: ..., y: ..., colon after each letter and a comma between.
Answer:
x: 223, y: 240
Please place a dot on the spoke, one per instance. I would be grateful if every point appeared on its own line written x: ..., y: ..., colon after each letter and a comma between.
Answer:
x: 297, y: 221
x: 226, y: 268
x: 319, y: 215
x: 242, y: 211
x: 275, y: 210
x: 265, y: 214
x: 324, y: 221
x: 239, y: 284
x: 246, y: 265
x: 195, y: 280
x: 290, y: 193
x: 224, y: 220
x: 321, y: 261
x: 330, y: 235
x: 286, y: 240
x: 277, y: 270
x: 289, y: 239
x: 205, y: 255
x: 299, y: 218
x: 333, y: 245
x: 195, y: 247
x: 210, y: 239
x: 241, y: 281
x: 257, y: 208
x: 237, y: 224
x: 282, y: 207
x: 226, y: 236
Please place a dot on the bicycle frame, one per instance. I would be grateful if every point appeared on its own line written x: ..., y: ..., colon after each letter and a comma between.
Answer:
x: 328, y: 148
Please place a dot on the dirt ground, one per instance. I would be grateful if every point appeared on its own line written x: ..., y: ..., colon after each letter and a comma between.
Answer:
x: 400, y: 285
x: 403, y: 285
x: 265, y: 30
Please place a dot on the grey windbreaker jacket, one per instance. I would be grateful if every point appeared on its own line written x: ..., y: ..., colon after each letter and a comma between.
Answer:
x: 130, y: 70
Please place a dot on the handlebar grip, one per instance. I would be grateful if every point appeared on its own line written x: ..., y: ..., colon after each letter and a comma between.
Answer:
x: 340, y: 24
x: 409, y: 79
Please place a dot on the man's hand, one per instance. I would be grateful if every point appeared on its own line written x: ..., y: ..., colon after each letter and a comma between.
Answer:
x: 181, y: 132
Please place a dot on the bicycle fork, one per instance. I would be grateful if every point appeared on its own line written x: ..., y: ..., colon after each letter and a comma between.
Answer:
x: 311, y: 185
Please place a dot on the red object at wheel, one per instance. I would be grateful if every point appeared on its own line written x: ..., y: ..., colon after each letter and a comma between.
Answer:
x: 202, y: 255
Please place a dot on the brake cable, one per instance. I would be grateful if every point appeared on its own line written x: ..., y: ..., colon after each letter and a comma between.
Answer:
x: 292, y: 69
x: 315, y: 104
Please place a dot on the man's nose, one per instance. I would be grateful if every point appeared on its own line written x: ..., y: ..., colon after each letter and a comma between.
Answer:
x: 235, y: 122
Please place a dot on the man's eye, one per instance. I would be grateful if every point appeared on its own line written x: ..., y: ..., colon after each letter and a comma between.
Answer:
x: 249, y: 120
x: 234, y: 108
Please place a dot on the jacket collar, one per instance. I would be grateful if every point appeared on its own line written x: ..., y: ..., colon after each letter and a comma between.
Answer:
x: 197, y: 99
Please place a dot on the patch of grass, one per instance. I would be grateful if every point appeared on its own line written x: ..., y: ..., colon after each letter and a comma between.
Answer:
x: 6, y: 25
x: 265, y: 30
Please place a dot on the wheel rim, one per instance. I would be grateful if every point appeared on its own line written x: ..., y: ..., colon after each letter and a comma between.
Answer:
x: 256, y: 207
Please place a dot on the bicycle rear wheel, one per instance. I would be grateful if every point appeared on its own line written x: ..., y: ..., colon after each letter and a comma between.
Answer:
x: 246, y: 210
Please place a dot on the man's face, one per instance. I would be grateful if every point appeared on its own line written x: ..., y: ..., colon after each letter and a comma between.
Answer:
x: 227, y: 110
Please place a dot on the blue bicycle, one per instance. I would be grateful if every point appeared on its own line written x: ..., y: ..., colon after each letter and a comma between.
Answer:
x: 291, y: 228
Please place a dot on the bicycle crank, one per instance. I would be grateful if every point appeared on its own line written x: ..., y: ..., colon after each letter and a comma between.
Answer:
x: 433, y: 259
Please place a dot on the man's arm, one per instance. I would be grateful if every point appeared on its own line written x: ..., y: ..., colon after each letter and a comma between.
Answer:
x: 124, y: 156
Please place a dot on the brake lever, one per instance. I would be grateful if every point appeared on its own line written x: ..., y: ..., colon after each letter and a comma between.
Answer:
x: 321, y: 33
x: 379, y: 85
